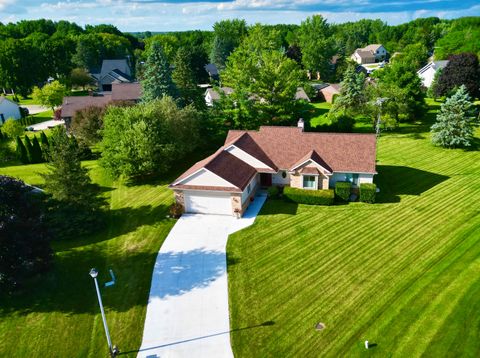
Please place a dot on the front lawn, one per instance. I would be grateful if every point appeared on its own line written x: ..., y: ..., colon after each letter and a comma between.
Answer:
x: 402, y: 273
x: 58, y: 315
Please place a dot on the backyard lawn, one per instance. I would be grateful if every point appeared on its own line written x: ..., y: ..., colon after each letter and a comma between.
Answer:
x: 402, y: 273
x: 58, y: 315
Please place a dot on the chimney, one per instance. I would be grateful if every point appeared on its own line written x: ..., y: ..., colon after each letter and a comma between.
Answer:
x: 301, y: 124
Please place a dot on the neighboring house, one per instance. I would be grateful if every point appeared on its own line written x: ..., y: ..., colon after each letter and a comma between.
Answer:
x: 212, y: 71
x: 427, y: 73
x: 225, y: 182
x: 212, y: 95
x: 370, y: 54
x: 113, y: 71
x: 330, y: 91
x: 8, y: 109
x: 120, y: 92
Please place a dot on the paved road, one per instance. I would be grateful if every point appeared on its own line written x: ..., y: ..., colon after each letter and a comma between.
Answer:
x: 187, y: 312
x: 45, y: 125
x: 34, y: 108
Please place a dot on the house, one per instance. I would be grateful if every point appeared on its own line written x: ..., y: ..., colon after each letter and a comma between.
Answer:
x: 211, y: 95
x: 8, y: 109
x: 427, y: 73
x: 370, y: 54
x: 120, y: 92
x: 225, y: 182
x: 330, y: 91
x: 212, y: 71
x: 113, y: 71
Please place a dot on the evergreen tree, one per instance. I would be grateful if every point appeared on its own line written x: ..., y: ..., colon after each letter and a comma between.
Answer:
x: 157, y: 81
x: 29, y: 148
x: 1, y: 136
x: 184, y: 78
x: 22, y: 154
x: 44, y: 141
x: 352, y: 93
x: 36, y: 151
x: 455, y: 121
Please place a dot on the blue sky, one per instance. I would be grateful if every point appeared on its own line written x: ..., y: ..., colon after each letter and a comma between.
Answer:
x: 177, y: 15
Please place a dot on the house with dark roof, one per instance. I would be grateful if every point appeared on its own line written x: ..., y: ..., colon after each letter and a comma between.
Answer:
x: 225, y: 182
x: 113, y: 71
x: 131, y: 92
x: 212, y: 71
x: 212, y: 95
x: 329, y: 92
x: 370, y: 54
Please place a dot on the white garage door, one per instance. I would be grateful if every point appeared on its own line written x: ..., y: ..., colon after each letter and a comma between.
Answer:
x: 208, y: 203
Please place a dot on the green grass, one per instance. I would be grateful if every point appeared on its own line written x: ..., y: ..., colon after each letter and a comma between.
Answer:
x: 317, y: 113
x: 22, y: 100
x: 58, y: 314
x: 402, y: 273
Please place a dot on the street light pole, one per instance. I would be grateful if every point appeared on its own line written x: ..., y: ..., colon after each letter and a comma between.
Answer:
x: 111, y: 349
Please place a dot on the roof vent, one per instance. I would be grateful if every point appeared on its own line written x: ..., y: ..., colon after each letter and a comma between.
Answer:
x: 301, y: 124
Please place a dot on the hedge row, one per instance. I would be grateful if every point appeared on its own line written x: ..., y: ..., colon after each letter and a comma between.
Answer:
x: 368, y: 192
x: 343, y: 190
x: 311, y: 197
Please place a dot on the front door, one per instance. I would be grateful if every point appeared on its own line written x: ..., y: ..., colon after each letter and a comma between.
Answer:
x: 265, y: 179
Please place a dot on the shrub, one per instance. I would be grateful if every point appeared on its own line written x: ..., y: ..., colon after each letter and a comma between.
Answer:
x: 343, y: 124
x: 176, y: 210
x: 343, y: 189
x: 368, y: 192
x: 22, y: 154
x: 12, y: 128
x: 311, y: 197
x: 273, y: 192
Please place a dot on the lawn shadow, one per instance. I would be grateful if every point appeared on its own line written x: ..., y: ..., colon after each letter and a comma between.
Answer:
x: 68, y: 288
x: 394, y: 181
x: 278, y: 206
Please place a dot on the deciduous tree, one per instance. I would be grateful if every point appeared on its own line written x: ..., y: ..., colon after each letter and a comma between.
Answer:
x: 51, y: 95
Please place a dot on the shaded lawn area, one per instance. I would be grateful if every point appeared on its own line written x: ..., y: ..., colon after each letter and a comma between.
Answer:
x: 58, y: 314
x: 402, y: 273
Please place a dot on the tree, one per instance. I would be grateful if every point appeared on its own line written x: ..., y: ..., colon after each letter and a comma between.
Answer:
x: 462, y: 69
x: 455, y: 121
x: 44, y: 141
x: 352, y: 93
x: 51, y: 95
x: 36, y: 155
x: 228, y: 34
x: 87, y: 124
x: 21, y: 151
x: 12, y: 128
x: 74, y: 207
x: 79, y: 77
x: 24, y: 236
x: 317, y: 45
x: 157, y: 81
x: 184, y: 78
x: 149, y: 138
x: 29, y: 148
x: 403, y: 83
x: 264, y: 81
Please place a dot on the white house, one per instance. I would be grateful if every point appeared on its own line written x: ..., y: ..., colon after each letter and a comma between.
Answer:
x: 427, y: 73
x: 8, y: 109
x: 369, y: 54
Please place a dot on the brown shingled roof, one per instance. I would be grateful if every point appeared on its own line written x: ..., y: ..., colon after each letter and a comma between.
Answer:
x: 75, y: 103
x: 312, y: 155
x: 342, y: 152
x: 248, y: 145
x: 126, y: 91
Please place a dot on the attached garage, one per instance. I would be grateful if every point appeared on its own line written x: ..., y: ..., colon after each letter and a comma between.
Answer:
x: 208, y: 202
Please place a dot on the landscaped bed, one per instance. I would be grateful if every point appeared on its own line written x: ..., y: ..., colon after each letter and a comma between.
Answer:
x: 401, y: 273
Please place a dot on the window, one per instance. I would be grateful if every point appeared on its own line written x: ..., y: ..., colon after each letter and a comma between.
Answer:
x: 309, y: 182
x: 284, y: 174
x: 352, y: 178
x: 249, y: 188
x: 355, y: 179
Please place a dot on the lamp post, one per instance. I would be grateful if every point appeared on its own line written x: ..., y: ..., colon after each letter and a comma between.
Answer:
x: 113, y: 350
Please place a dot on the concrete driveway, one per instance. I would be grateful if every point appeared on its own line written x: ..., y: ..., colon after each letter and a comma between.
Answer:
x: 187, y: 312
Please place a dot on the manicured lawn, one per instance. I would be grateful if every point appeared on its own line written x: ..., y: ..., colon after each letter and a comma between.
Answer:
x: 23, y: 101
x: 58, y: 315
x: 402, y: 273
